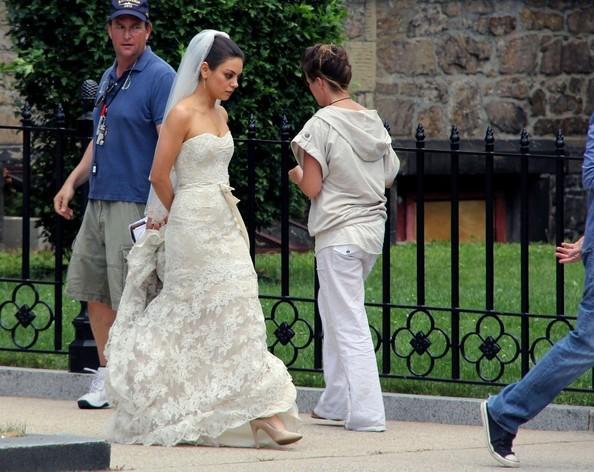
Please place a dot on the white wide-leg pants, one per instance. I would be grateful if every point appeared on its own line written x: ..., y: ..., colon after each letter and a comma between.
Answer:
x: 353, y: 392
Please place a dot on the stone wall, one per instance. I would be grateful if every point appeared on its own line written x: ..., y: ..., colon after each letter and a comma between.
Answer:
x: 510, y: 64
x: 8, y: 97
x: 9, y: 140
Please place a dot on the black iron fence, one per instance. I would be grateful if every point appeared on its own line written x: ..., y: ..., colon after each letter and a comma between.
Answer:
x: 27, y: 313
x: 478, y: 344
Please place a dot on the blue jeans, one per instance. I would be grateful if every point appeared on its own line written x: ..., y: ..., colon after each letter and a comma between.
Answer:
x: 562, y: 364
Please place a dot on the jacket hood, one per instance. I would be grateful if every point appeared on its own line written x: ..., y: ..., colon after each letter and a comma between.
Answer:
x: 362, y: 129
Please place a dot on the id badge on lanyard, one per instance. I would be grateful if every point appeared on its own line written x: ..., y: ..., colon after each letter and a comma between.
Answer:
x: 101, y: 133
x: 102, y: 126
x: 102, y: 122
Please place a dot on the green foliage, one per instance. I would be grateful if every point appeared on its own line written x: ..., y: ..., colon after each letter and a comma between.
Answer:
x: 58, y: 49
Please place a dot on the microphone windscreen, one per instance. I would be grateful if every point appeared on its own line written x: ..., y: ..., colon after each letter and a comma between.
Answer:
x: 88, y: 90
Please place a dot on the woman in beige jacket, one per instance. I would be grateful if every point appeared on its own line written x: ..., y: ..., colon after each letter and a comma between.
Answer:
x: 345, y: 161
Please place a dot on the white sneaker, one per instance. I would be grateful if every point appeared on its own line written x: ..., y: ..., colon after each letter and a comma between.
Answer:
x: 96, y: 397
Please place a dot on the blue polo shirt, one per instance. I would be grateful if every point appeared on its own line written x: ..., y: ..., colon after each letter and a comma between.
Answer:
x: 123, y: 162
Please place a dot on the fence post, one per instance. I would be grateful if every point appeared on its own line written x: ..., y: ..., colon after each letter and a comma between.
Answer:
x: 82, y: 351
x: 489, y: 214
x: 318, y: 329
x: 386, y: 276
x: 284, y: 135
x: 251, y: 196
x: 560, y: 218
x: 455, y: 249
x: 420, y: 214
x: 26, y: 218
x: 524, y: 259
x: 59, y: 222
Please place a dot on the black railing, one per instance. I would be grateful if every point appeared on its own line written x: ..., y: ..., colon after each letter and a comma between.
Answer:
x: 295, y: 332
x: 28, y: 313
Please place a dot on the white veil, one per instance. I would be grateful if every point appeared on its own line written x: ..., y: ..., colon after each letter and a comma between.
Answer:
x: 184, y: 84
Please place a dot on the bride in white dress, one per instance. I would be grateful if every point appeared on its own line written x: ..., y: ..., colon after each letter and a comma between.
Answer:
x: 188, y: 361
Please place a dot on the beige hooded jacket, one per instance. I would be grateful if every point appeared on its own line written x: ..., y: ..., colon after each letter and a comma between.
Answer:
x: 355, y: 153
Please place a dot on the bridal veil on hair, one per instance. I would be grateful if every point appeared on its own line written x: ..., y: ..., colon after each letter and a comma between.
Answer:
x: 184, y: 84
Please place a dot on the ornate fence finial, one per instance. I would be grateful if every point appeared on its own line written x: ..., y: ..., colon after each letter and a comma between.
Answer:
x: 559, y: 140
x: 455, y: 136
x: 489, y: 137
x: 524, y: 140
x: 26, y: 114
x: 387, y: 126
x: 252, y: 126
x: 420, y: 134
x: 59, y: 115
x: 284, y: 127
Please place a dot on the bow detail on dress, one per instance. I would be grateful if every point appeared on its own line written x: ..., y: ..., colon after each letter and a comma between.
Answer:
x: 232, y: 201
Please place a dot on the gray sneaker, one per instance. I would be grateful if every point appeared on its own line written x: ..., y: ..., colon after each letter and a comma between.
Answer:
x: 499, y: 441
x: 96, y: 397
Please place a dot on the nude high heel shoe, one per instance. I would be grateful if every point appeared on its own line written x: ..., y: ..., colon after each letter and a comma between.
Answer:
x: 279, y: 436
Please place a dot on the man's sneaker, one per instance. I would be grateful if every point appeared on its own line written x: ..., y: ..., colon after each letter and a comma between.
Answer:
x: 499, y: 441
x: 96, y: 397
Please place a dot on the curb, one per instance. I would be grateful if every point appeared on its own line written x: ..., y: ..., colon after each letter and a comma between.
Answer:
x: 44, y: 453
x: 62, y: 385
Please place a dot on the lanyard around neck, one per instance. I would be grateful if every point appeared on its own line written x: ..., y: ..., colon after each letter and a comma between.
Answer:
x: 105, y: 99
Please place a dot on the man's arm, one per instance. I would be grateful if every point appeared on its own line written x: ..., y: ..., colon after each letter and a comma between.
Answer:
x: 77, y: 177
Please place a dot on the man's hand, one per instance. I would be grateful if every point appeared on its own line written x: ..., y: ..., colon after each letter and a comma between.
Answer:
x: 569, y: 252
x: 62, y: 200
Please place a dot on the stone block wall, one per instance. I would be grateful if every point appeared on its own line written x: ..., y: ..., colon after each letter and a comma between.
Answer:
x: 510, y: 64
x: 506, y: 63
x: 9, y: 140
x: 8, y: 96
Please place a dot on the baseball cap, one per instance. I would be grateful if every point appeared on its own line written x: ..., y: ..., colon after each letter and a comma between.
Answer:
x: 137, y: 8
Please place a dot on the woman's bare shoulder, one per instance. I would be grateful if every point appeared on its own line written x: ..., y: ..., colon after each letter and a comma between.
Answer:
x: 183, y: 113
x: 183, y: 108
x: 223, y: 113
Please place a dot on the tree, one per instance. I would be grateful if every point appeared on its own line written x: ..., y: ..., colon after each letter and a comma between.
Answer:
x: 57, y: 49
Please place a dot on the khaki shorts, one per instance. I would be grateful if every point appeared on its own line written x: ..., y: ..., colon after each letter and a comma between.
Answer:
x: 97, y: 267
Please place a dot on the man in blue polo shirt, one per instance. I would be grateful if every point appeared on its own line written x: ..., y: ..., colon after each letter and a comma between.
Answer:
x: 128, y: 113
x: 569, y: 358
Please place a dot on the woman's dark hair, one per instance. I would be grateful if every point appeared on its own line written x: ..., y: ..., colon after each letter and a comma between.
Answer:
x: 222, y: 49
x: 329, y: 62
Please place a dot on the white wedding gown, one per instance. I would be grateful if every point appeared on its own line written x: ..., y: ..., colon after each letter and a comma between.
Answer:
x: 188, y: 362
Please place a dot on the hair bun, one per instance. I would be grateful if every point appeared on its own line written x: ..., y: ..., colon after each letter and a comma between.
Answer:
x: 330, y: 62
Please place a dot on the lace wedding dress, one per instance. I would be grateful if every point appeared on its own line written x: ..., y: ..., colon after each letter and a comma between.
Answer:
x: 187, y: 361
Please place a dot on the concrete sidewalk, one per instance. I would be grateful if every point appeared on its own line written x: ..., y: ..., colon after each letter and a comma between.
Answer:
x: 326, y: 446
x: 62, y: 385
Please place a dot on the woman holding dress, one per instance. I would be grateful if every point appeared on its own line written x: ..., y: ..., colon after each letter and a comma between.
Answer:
x: 188, y: 360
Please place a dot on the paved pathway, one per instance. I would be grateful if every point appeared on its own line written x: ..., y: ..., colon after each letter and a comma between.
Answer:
x: 406, y: 446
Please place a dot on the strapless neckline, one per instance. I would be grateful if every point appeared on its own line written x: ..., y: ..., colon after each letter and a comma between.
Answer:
x: 194, y: 138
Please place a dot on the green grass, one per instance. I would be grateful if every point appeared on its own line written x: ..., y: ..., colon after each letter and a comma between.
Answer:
x: 438, y: 293
x: 403, y: 292
x: 41, y: 268
x: 12, y: 430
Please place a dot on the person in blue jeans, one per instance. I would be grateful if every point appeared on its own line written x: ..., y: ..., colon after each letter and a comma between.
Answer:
x: 504, y: 413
